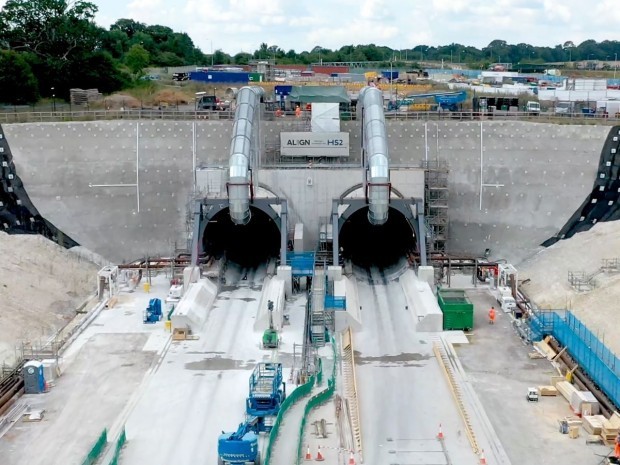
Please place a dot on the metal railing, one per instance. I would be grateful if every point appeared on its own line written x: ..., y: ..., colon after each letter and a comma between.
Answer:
x: 107, y: 115
x: 228, y: 115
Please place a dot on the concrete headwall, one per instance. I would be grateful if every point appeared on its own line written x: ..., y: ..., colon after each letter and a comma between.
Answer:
x: 121, y: 188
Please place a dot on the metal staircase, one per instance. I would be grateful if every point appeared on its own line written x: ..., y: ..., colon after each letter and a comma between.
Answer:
x: 436, y: 204
x: 318, y: 319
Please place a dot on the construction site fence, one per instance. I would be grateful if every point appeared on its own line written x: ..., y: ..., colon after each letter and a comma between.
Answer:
x: 592, y: 355
x: 316, y: 401
x: 190, y: 115
x: 291, y: 399
x: 120, y: 442
x: 97, y: 449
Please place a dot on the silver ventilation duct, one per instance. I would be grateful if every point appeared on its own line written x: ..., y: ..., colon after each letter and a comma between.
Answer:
x: 244, y: 147
x: 376, y: 154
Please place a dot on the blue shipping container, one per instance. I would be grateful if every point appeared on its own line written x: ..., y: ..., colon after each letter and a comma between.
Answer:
x: 219, y: 77
x: 386, y: 74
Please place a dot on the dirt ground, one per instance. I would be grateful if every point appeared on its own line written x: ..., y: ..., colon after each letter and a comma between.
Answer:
x: 41, y: 285
x: 549, y: 287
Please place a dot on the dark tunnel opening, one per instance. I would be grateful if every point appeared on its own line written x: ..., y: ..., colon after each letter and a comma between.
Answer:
x: 248, y: 245
x: 384, y: 246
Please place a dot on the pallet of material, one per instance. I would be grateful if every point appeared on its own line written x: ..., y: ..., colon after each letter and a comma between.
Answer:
x: 566, y: 389
x: 545, y: 349
x: 548, y: 390
x: 584, y: 403
x: 572, y: 421
x: 593, y: 424
x: 610, y: 429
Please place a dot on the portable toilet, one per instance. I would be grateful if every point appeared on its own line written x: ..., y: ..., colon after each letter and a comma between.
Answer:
x: 34, y: 380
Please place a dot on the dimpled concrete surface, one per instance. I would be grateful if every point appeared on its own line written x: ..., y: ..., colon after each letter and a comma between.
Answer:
x: 533, y: 177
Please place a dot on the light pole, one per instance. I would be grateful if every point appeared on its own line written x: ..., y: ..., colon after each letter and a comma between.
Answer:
x: 615, y: 64
x: 53, y: 100
x: 211, y: 45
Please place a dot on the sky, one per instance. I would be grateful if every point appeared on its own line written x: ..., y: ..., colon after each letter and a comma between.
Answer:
x: 242, y: 25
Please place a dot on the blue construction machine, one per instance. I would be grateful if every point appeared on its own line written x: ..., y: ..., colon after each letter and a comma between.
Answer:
x: 448, y: 101
x: 267, y: 391
x: 153, y: 313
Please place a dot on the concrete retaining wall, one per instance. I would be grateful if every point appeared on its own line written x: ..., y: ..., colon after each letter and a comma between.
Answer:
x: 545, y: 171
x: 422, y: 303
x: 195, y: 305
x: 273, y: 289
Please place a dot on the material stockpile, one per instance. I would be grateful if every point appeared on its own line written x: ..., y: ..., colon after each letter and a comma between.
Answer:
x: 41, y: 285
x: 549, y: 288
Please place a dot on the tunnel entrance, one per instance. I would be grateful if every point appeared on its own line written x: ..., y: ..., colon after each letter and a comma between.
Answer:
x: 248, y: 245
x: 385, y: 246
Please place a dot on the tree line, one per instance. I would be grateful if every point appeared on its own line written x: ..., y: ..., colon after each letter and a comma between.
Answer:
x: 50, y: 46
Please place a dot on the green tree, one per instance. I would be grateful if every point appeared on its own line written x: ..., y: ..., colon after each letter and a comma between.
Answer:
x: 128, y: 26
x: 51, y: 29
x: 18, y: 85
x: 137, y: 58
x: 242, y: 58
x: 167, y: 59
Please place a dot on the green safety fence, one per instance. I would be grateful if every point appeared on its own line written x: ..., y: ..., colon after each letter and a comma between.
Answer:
x: 120, y: 442
x: 290, y: 400
x: 97, y: 449
x: 317, y: 400
x: 319, y: 376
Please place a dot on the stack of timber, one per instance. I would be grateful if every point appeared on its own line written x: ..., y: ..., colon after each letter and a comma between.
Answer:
x: 610, y: 429
x: 548, y: 390
x: 593, y: 424
x: 566, y: 389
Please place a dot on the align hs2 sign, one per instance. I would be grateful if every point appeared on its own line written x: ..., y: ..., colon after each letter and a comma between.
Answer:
x: 314, y: 144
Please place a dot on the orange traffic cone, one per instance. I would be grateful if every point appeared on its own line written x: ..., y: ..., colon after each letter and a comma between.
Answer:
x: 351, y: 459
x: 319, y: 456
x: 440, y: 434
x: 308, y: 454
x: 483, y: 460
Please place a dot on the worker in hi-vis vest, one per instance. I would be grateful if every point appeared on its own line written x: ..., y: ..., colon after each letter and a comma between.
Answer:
x: 617, y: 447
x: 492, y: 316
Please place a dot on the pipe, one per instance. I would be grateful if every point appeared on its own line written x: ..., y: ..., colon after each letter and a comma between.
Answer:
x: 374, y: 140
x: 244, y: 145
x: 607, y: 406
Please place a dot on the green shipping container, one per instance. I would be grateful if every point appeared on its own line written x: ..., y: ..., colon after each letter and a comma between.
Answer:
x: 458, y: 311
x: 256, y: 77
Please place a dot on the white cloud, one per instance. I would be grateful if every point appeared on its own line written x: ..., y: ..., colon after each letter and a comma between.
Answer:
x: 235, y: 25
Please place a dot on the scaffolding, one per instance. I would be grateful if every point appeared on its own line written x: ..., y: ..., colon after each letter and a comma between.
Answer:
x: 436, y: 205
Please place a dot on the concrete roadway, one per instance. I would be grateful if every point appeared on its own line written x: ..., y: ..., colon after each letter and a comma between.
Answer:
x: 403, y: 395
x: 497, y: 365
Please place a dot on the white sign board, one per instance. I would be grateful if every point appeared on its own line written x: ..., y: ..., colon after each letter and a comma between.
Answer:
x: 310, y: 144
x: 325, y: 117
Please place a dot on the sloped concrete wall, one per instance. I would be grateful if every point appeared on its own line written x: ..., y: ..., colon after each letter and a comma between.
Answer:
x: 544, y: 172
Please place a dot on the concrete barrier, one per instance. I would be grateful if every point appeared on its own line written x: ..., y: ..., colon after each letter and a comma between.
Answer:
x: 274, y: 290
x: 422, y: 303
x: 352, y: 316
x: 195, y: 305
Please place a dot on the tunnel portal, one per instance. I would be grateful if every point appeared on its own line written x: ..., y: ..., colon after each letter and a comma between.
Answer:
x: 382, y: 246
x: 247, y: 245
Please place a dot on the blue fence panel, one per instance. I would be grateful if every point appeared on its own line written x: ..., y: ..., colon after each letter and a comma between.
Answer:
x: 601, y: 365
x: 541, y: 323
x: 337, y: 303
x: 301, y: 263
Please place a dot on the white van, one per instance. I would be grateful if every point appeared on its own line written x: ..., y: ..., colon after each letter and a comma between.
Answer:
x: 507, y: 303
x: 532, y: 108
